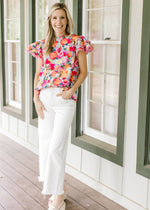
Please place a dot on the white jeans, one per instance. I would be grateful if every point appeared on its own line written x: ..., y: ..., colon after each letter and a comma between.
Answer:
x: 53, y: 138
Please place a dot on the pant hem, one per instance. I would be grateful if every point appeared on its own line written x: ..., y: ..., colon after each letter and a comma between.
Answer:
x: 52, y: 193
x: 40, y: 179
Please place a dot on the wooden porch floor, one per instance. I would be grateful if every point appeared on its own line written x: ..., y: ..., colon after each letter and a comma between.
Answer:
x: 20, y: 189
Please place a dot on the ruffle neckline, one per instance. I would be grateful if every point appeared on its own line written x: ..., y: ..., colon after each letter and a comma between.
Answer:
x: 62, y: 37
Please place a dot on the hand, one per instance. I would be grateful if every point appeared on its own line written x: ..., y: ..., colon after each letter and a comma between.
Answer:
x: 66, y: 94
x: 39, y: 108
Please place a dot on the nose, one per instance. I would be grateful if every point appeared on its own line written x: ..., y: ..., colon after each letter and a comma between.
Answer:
x: 59, y: 20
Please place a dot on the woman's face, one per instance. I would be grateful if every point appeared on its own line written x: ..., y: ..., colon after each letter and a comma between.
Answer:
x: 59, y: 22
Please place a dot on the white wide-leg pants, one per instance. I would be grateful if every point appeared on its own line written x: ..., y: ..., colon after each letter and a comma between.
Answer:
x: 53, y: 138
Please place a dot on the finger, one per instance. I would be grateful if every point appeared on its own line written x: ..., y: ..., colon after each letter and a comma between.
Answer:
x: 59, y: 94
x: 41, y: 114
x: 43, y: 107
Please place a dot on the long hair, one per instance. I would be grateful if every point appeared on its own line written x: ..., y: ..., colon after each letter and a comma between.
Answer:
x: 49, y: 32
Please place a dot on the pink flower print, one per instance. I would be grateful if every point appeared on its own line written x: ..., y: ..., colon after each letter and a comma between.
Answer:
x: 72, y: 48
x: 60, y: 54
x: 64, y: 53
x: 65, y: 82
x: 52, y: 66
x: 44, y: 82
x: 59, y: 49
x: 41, y: 73
x: 69, y: 41
x: 74, y: 73
x: 47, y: 61
x: 64, y: 60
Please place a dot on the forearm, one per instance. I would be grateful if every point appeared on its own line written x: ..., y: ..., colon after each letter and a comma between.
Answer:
x: 79, y: 81
x: 36, y: 77
x: 36, y: 96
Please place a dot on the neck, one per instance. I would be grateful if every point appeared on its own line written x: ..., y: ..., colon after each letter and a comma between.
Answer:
x: 60, y: 34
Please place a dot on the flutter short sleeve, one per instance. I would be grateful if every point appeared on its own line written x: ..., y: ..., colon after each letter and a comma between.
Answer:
x: 82, y: 44
x: 36, y: 49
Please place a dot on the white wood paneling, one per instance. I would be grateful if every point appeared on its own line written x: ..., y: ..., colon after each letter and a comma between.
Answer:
x: 73, y: 154
x: 33, y: 136
x: 22, y: 129
x: 148, y: 195
x: 113, y: 195
x: 0, y: 119
x: 135, y: 187
x: 13, y: 125
x: 90, y: 164
x: 4, y: 121
x: 111, y: 175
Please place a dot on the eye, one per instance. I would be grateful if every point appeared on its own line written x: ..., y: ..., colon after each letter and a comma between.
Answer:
x: 54, y: 17
x: 62, y: 17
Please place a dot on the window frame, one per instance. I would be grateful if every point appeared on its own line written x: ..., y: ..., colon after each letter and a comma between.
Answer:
x: 100, y: 148
x: 143, y: 140
x: 20, y: 114
x: 33, y: 117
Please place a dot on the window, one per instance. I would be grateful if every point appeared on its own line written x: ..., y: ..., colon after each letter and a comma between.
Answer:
x: 143, y: 144
x: 101, y: 91
x: 12, y: 65
x: 38, y: 12
x: 12, y: 52
x: 99, y: 122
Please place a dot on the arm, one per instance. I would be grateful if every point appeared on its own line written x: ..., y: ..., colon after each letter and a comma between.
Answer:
x: 38, y: 104
x: 83, y: 74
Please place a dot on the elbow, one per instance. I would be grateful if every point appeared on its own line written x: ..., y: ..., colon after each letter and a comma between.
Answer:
x: 85, y: 75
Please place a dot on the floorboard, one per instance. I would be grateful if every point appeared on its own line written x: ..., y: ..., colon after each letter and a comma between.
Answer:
x: 20, y: 188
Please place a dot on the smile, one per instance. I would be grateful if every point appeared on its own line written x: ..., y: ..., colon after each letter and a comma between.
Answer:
x: 58, y: 26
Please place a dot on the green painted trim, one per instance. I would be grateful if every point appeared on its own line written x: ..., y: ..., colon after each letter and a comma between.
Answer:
x: 109, y: 152
x: 32, y: 61
x: 5, y: 108
x: 62, y: 1
x: 2, y: 66
x: 143, y: 165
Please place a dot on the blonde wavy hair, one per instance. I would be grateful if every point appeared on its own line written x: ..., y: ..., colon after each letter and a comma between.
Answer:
x: 49, y: 32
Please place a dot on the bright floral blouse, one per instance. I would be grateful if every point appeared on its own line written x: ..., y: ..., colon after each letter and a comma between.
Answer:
x: 60, y: 68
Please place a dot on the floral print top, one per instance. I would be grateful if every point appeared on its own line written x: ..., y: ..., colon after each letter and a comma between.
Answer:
x: 60, y: 68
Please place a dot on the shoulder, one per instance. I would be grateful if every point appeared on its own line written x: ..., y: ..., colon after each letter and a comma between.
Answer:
x: 39, y: 42
x: 78, y: 38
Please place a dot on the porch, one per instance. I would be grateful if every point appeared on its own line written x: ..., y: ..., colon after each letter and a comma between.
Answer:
x: 20, y: 189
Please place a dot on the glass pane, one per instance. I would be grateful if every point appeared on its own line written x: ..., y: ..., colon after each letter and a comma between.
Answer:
x: 16, y: 9
x: 15, y: 52
x: 14, y: 72
x: 97, y: 58
x: 96, y: 84
x: 95, y: 116
x: 112, y: 90
x: 13, y: 8
x: 108, y: 3
x: 94, y: 3
x: 13, y: 29
x: 112, y: 59
x: 9, y: 29
x: 110, y: 125
x: 112, y: 23
x: 42, y: 14
x: 14, y: 94
x: 94, y: 24
x: 9, y: 8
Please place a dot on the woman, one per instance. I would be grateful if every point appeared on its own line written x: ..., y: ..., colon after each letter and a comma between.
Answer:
x: 60, y: 56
